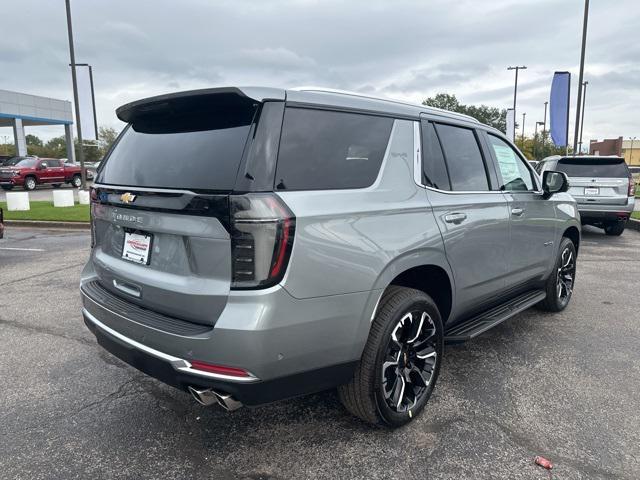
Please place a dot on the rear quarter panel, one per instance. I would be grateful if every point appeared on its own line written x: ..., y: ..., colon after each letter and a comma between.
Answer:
x: 351, y: 243
x: 358, y: 240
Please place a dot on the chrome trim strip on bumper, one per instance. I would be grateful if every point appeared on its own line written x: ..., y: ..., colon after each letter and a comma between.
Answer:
x: 178, y: 364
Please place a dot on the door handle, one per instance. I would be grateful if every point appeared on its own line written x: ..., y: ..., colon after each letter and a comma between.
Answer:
x: 455, y: 218
x: 517, y: 211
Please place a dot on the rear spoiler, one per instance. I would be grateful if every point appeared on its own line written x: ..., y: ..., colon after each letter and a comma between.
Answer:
x: 225, y: 96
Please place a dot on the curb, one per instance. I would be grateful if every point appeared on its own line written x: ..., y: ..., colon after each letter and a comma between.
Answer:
x: 633, y: 224
x: 45, y: 224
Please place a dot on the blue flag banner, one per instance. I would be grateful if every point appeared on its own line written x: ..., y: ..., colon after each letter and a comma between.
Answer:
x: 559, y: 108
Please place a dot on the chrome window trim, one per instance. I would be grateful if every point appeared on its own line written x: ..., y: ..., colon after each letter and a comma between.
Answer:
x: 143, y: 189
x: 177, y: 363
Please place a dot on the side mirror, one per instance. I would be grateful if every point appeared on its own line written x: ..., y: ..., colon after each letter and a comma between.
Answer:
x: 554, y: 182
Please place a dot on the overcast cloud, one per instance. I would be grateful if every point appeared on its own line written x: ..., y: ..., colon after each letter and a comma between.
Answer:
x: 401, y: 49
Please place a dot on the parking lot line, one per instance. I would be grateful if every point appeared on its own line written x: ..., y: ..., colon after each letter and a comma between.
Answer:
x: 23, y: 249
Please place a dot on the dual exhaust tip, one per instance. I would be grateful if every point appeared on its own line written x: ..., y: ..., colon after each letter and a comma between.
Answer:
x: 208, y: 397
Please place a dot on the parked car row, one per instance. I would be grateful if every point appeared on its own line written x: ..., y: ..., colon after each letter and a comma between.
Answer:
x: 29, y: 172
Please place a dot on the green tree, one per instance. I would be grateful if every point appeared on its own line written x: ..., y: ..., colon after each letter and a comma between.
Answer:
x: 33, y: 140
x: 56, y: 147
x: 492, y: 116
x: 106, y: 137
x: 539, y: 147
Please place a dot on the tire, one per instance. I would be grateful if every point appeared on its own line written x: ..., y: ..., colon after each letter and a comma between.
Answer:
x: 559, y: 285
x: 7, y: 187
x: 30, y: 183
x: 388, y: 402
x: 76, y: 181
x: 56, y: 185
x: 614, y: 229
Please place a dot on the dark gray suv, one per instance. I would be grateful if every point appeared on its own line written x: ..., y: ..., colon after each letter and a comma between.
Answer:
x: 253, y: 244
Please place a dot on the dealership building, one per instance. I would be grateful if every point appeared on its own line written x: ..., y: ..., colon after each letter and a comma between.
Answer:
x: 628, y: 149
x: 20, y: 110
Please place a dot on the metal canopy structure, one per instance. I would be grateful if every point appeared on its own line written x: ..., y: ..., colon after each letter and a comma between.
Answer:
x: 19, y: 110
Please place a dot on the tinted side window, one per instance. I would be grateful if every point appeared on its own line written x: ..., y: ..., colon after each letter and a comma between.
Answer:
x: 433, y: 166
x: 464, y: 160
x: 330, y: 150
x: 515, y: 174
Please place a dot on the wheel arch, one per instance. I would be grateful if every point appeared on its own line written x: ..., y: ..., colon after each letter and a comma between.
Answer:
x: 427, y: 271
x: 573, y: 234
x: 30, y: 175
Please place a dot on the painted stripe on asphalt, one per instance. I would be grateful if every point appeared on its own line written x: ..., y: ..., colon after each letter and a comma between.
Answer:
x: 23, y: 249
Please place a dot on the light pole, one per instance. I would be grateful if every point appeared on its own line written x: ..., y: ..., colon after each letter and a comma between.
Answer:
x: 631, y: 151
x: 515, y: 94
x: 535, y: 139
x: 523, y: 117
x: 580, y: 78
x: 584, y: 101
x: 72, y: 57
x: 544, y: 129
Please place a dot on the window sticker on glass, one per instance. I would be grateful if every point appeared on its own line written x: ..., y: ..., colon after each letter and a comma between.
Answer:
x: 508, y: 163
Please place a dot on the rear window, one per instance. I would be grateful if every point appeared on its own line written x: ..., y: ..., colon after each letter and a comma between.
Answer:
x: 433, y: 166
x: 196, y: 144
x: 464, y: 159
x: 330, y: 150
x: 604, y: 167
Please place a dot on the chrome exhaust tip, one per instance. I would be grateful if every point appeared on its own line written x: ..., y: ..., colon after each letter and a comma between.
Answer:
x: 208, y: 397
x: 227, y: 402
x: 204, y: 397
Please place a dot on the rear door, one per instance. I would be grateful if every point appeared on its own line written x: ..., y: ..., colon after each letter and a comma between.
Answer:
x: 532, y: 217
x: 596, y: 181
x: 161, y: 205
x: 55, y: 170
x: 471, y: 213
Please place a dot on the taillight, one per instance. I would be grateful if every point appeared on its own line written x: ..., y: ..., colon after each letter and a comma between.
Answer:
x: 632, y: 187
x: 262, y: 230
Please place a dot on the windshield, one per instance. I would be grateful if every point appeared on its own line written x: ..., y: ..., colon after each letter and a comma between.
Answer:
x: 602, y: 167
x: 11, y: 161
x: 27, y: 162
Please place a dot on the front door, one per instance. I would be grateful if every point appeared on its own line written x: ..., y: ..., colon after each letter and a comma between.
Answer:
x: 532, y: 216
x: 56, y: 171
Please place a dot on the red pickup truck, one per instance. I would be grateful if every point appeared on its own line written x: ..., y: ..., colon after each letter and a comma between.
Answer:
x: 33, y: 171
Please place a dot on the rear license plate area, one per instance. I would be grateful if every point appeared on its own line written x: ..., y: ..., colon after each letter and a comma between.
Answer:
x: 590, y: 191
x: 137, y: 247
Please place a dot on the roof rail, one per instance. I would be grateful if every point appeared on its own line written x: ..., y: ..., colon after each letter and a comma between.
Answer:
x: 390, y: 100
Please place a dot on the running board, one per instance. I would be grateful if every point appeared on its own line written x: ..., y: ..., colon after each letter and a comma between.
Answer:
x: 481, y: 323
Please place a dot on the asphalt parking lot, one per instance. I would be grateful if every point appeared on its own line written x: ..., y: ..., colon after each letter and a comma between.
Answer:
x: 565, y: 386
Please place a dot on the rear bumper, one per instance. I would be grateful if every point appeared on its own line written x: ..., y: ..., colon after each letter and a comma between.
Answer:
x: 291, y: 346
x: 594, y: 212
x: 177, y: 372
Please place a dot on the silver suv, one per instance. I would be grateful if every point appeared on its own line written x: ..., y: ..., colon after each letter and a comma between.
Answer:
x: 254, y: 244
x: 602, y: 186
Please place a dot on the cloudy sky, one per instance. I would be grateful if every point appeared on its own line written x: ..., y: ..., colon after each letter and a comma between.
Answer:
x: 405, y: 49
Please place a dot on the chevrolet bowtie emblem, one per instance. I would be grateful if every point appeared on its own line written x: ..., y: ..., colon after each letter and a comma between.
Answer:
x: 127, y: 197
